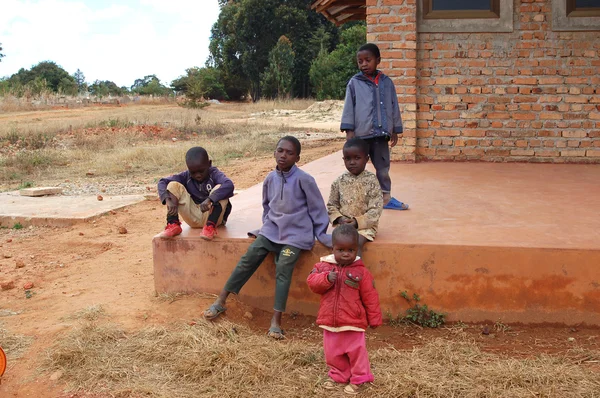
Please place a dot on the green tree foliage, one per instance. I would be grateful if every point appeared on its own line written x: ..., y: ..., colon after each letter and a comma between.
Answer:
x: 203, y: 83
x: 277, y: 79
x: 104, y: 88
x: 80, y: 81
x: 1, y: 55
x: 330, y: 72
x: 46, y: 70
x: 247, y: 31
x: 150, y: 85
x: 67, y: 86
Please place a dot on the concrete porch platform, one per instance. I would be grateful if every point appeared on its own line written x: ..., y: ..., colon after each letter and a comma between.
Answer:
x: 481, y: 241
x: 58, y: 210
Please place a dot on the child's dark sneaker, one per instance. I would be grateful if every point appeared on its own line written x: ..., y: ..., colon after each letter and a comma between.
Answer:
x: 208, y: 232
x: 171, y: 230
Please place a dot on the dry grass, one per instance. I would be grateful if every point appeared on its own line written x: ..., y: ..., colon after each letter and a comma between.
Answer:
x: 227, y: 360
x: 133, y: 142
x: 14, y: 345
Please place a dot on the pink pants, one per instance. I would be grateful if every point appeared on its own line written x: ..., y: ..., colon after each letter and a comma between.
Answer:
x: 347, y: 357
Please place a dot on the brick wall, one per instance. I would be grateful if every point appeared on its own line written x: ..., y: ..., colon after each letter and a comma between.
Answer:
x: 531, y: 95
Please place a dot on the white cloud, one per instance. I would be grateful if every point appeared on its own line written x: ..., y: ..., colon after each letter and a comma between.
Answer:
x: 119, y: 42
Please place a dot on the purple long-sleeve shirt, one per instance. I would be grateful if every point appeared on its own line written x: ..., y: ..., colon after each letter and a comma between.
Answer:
x: 199, y: 191
x: 294, y: 211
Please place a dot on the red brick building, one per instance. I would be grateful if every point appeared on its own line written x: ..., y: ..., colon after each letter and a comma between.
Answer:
x: 498, y: 80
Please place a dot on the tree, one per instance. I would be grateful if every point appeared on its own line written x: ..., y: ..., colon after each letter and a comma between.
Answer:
x: 49, y: 71
x: 200, y: 83
x: 67, y: 86
x: 277, y: 79
x: 1, y: 55
x: 103, y: 88
x: 80, y: 81
x: 150, y: 85
x: 330, y: 72
x: 247, y: 30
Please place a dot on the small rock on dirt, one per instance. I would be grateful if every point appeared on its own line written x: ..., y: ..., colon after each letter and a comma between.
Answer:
x: 248, y: 315
x: 100, y: 198
x: 113, y: 212
x: 19, y: 263
x: 28, y: 285
x: 8, y: 240
x: 485, y: 331
x: 571, y: 339
x: 174, y: 139
x: 122, y: 230
x: 7, y: 285
x: 81, y: 234
x: 89, y: 173
x: 6, y: 255
x: 56, y: 375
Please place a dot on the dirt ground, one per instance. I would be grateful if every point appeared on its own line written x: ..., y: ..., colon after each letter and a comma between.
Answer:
x: 92, y: 264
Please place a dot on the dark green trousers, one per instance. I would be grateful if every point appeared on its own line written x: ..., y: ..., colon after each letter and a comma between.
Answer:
x: 286, y: 257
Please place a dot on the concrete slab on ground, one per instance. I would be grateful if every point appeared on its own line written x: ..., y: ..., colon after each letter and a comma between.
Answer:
x: 481, y: 241
x: 40, y: 191
x: 57, y: 210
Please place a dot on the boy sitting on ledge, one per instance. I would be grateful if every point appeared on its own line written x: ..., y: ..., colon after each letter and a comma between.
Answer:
x: 200, y: 195
x: 294, y: 214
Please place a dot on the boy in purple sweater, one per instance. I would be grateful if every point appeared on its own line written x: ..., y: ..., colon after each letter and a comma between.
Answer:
x: 200, y: 195
x: 294, y: 214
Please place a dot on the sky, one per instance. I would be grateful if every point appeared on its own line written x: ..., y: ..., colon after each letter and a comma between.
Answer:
x: 117, y: 40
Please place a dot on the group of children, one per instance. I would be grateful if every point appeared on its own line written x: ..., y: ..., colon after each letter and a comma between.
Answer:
x: 294, y: 214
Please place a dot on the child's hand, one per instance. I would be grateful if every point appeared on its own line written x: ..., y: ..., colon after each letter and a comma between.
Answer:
x: 332, y: 276
x: 206, y: 205
x: 172, y: 205
x: 345, y: 220
x: 394, y: 140
x: 349, y: 134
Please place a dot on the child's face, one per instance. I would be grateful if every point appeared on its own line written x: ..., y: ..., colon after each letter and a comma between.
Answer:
x: 344, y: 250
x: 199, y: 169
x: 285, y: 155
x: 355, y: 160
x: 367, y: 62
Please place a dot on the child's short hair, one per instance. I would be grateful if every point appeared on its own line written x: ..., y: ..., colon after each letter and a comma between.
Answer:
x: 357, y: 143
x: 345, y: 230
x: 195, y: 154
x: 372, y: 48
x: 294, y: 141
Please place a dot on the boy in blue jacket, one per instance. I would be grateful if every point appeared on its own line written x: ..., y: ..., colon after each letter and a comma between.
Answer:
x: 200, y: 195
x: 371, y: 112
x: 294, y: 214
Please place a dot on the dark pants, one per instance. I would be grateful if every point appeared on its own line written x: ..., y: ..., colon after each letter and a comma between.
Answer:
x: 379, y: 152
x: 286, y: 257
x: 216, y: 213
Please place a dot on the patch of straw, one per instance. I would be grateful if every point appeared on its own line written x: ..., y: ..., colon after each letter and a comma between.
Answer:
x: 14, y: 345
x: 227, y: 360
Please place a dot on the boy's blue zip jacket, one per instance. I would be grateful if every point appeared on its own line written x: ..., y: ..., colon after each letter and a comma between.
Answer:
x: 294, y: 211
x: 371, y: 110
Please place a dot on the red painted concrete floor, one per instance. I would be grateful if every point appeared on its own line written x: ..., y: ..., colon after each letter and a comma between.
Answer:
x: 481, y: 241
x: 471, y: 204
